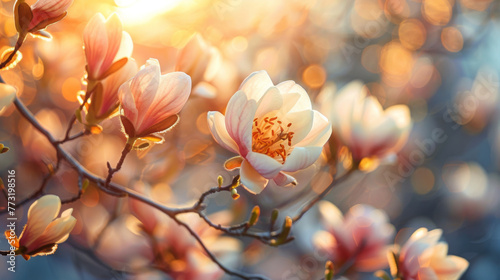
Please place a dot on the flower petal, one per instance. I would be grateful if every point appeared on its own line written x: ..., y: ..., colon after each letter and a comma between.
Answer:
x: 301, y: 157
x: 270, y: 101
x: 264, y: 164
x: 217, y: 125
x: 96, y: 41
x: 302, y: 123
x: 320, y: 132
x: 303, y: 103
x: 255, y: 85
x: 284, y: 180
x: 40, y: 215
x: 240, y: 114
x: 251, y: 180
x: 7, y: 95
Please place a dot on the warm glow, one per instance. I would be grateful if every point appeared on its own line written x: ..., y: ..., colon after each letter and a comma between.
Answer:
x: 134, y: 12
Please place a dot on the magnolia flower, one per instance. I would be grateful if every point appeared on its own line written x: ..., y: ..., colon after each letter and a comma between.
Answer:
x: 106, y: 46
x: 272, y: 128
x: 201, y: 62
x: 7, y: 95
x: 364, y: 126
x: 422, y: 257
x: 44, y: 231
x: 37, y: 17
x: 150, y: 101
x: 104, y: 101
x: 362, y: 235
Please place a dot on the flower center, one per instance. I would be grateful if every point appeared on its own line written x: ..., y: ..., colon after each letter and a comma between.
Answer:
x: 271, y: 137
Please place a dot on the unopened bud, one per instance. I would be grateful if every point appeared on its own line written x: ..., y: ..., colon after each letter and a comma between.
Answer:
x: 254, y: 217
x: 234, y: 194
x: 285, y: 231
x: 85, y: 184
x: 78, y: 115
x: 274, y: 216
x: 329, y: 270
x: 236, y: 181
x: 220, y: 181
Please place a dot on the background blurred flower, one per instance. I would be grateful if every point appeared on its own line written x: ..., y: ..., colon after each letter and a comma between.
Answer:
x: 423, y: 257
x: 150, y: 101
x: 362, y: 236
x: 364, y: 126
x: 44, y: 231
x: 273, y: 128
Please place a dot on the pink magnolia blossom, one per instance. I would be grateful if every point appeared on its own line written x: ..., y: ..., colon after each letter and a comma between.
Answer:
x: 104, y: 102
x: 44, y: 231
x: 105, y: 43
x: 46, y: 12
x: 150, y: 101
x: 364, y: 126
x: 272, y: 128
x: 422, y: 257
x: 362, y: 235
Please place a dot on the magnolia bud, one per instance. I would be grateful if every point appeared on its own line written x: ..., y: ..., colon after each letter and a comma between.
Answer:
x: 220, y: 181
x: 254, y: 217
x: 329, y: 270
x: 234, y: 194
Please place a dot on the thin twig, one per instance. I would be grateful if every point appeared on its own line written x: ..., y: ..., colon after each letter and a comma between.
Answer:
x: 323, y: 194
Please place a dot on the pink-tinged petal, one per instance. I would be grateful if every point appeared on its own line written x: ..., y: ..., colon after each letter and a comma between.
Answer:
x: 113, y: 83
x: 173, y: 93
x: 127, y: 102
x: 256, y: 85
x: 217, y: 125
x: 240, y: 114
x: 302, y: 122
x: 303, y: 103
x: 301, y: 157
x: 40, y: 215
x: 270, y: 101
x: 7, y: 95
x: 144, y: 86
x: 320, y: 132
x: 371, y: 111
x: 95, y: 39
x: 114, y: 33
x: 126, y: 47
x: 47, y: 9
x: 264, y: 164
x: 284, y: 180
x: 373, y: 260
x: 251, y: 180
x: 447, y: 267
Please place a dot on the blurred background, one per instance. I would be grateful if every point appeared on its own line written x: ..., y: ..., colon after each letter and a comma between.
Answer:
x: 439, y: 57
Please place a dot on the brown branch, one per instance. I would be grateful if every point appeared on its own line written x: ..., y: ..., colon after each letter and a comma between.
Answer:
x: 323, y: 194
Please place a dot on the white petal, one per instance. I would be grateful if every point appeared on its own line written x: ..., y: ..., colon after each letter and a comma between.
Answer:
x: 217, y: 125
x: 303, y: 103
x: 302, y: 123
x: 240, y: 114
x: 270, y: 101
x: 251, y: 180
x: 320, y: 132
x: 301, y: 157
x: 255, y: 85
x: 264, y: 164
x: 284, y: 180
x: 330, y: 214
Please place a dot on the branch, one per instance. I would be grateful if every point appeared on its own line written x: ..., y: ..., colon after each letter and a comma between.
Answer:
x: 18, y: 45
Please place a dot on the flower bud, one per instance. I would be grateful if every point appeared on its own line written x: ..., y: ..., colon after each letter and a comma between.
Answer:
x: 329, y: 270
x: 234, y: 194
x: 254, y: 217
x: 220, y: 181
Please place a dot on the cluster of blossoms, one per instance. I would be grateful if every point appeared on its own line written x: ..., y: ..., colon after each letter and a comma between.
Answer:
x: 274, y: 132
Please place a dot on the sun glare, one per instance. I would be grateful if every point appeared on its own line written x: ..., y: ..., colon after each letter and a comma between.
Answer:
x: 135, y: 12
